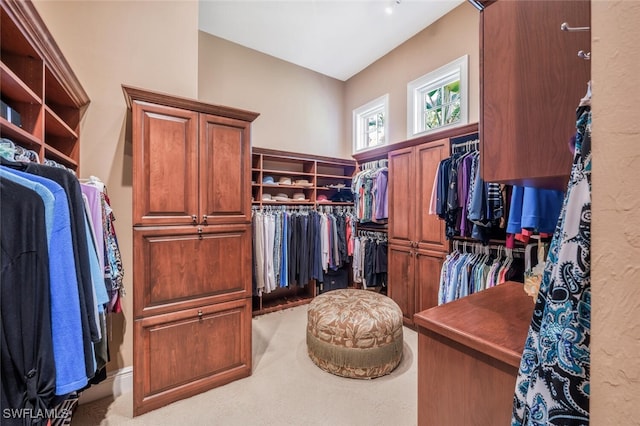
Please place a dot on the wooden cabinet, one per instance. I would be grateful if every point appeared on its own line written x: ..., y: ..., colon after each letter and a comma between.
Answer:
x: 180, y: 267
x: 531, y: 83
x: 39, y: 85
x: 190, y: 351
x: 417, y: 244
x: 411, y: 176
x: 312, y: 175
x: 427, y: 283
x: 468, y: 357
x: 401, y: 279
x: 414, y: 277
x: 192, y: 246
x: 193, y: 168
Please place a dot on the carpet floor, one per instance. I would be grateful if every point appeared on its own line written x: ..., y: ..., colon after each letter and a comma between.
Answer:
x: 286, y: 388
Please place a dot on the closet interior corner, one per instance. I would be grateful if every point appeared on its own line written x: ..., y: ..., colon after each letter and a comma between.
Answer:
x: 297, y: 200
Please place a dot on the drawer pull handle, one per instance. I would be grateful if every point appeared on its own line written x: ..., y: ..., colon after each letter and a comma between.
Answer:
x: 200, y: 314
x: 199, y: 233
x: 194, y: 219
x: 204, y: 219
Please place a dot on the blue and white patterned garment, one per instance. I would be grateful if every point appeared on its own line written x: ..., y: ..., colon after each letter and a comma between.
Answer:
x: 552, y: 387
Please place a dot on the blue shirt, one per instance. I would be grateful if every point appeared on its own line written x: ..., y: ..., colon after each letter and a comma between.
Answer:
x: 66, y: 327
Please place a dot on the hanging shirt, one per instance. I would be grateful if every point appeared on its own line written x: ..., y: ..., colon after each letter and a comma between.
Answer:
x: 66, y: 327
x: 27, y: 365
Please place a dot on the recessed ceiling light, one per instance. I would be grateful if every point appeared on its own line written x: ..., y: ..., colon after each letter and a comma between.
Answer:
x: 388, y: 10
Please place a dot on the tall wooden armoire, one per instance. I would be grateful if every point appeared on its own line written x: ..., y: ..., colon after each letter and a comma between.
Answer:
x: 192, y: 246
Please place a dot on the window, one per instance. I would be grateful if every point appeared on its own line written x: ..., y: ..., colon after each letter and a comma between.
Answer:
x: 438, y: 99
x: 370, y: 128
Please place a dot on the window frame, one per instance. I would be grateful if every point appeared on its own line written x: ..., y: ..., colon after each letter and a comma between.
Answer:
x: 432, y: 80
x: 360, y: 114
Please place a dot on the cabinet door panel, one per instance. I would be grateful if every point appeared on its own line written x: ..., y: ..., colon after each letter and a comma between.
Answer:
x: 401, y: 196
x: 179, y: 268
x: 188, y: 352
x: 165, y: 165
x: 401, y: 280
x: 428, y: 267
x: 429, y: 228
x: 532, y: 81
x: 225, y: 170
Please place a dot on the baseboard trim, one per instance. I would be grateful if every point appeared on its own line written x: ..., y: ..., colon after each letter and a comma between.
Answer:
x: 116, y: 383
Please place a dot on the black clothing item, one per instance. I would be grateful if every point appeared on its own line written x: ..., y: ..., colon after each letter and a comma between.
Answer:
x: 27, y: 363
x: 341, y: 224
x: 381, y: 257
x: 345, y: 196
x: 71, y: 187
x: 318, y: 273
x: 382, y: 250
x: 369, y: 264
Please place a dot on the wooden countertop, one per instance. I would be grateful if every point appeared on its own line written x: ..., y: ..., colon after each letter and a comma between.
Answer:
x: 494, y: 321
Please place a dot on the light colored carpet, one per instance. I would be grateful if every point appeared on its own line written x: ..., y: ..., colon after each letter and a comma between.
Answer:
x: 286, y: 388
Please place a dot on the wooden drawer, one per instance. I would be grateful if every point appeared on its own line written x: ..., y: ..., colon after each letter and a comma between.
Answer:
x: 190, y: 351
x: 178, y: 268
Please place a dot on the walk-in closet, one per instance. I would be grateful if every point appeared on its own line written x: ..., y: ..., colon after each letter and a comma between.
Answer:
x: 319, y: 213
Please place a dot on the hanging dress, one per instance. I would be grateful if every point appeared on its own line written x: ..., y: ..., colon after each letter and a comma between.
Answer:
x: 552, y: 387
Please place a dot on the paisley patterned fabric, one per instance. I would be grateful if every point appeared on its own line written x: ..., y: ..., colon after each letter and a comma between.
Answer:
x: 552, y: 387
x: 354, y: 333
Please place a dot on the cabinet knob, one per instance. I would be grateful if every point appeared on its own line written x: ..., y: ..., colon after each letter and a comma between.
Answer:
x: 200, y: 314
x: 204, y: 219
x: 194, y: 219
x: 199, y: 233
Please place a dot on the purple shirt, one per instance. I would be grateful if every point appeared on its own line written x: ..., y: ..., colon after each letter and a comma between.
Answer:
x: 382, y: 206
x: 95, y: 211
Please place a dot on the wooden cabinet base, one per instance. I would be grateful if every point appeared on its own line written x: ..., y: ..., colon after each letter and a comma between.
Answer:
x: 461, y: 386
x: 191, y: 351
x: 468, y: 356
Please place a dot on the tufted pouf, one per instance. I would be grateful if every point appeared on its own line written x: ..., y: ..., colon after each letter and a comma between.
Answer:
x: 354, y: 333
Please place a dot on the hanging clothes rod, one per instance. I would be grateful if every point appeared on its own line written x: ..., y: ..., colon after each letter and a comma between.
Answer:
x: 479, y: 248
x: 465, y: 145
x: 375, y: 164
x: 565, y: 27
x: 373, y: 234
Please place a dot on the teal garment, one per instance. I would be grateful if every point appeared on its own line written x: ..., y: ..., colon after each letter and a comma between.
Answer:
x: 42, y: 191
x: 97, y: 275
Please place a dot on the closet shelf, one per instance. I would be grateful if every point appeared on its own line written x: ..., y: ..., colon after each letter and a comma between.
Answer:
x: 285, y: 172
x: 275, y: 185
x: 266, y: 162
x: 14, y: 88
x: 326, y: 176
x: 34, y: 77
x: 281, y: 304
x: 18, y: 135
x: 331, y: 203
x: 286, y: 203
x: 54, y: 125
x: 54, y: 154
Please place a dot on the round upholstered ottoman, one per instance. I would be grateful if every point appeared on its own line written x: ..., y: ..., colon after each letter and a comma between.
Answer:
x: 354, y: 333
